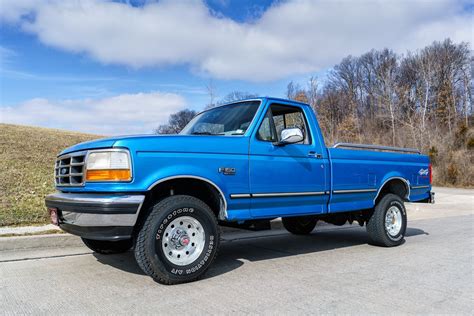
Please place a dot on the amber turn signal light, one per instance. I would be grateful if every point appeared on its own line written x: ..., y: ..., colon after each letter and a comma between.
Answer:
x: 108, y: 175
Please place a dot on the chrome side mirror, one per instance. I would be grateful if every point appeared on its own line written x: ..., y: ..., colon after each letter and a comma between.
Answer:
x: 290, y: 136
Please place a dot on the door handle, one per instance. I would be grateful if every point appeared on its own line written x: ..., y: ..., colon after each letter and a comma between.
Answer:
x: 313, y: 154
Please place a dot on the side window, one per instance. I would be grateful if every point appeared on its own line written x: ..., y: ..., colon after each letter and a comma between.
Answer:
x: 266, y: 132
x: 280, y: 117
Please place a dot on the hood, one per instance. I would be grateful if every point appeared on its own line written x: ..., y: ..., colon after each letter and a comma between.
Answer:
x: 99, y: 143
x: 169, y: 143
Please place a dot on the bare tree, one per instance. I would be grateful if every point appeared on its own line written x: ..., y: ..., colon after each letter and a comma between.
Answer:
x: 468, y: 82
x: 312, y: 92
x: 345, y: 78
x: 237, y: 96
x: 292, y: 90
x: 211, y: 91
x: 386, y: 67
x: 176, y: 122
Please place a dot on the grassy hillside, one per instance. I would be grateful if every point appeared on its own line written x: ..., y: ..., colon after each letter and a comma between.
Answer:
x: 27, y: 156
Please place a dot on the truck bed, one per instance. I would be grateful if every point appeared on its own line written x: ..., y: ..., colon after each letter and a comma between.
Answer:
x: 357, y: 176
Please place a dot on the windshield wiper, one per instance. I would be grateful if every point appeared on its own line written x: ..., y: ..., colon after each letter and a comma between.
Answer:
x: 205, y: 133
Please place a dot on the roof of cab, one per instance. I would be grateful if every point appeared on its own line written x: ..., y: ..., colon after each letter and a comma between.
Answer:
x: 268, y: 99
x: 262, y: 99
x: 284, y: 100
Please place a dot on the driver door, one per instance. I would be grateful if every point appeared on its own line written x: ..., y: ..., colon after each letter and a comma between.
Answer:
x: 287, y: 180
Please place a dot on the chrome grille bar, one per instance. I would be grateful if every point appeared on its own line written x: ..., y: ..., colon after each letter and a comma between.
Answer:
x: 69, y: 169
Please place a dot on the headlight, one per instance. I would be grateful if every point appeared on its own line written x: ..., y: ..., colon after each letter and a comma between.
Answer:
x: 108, y: 165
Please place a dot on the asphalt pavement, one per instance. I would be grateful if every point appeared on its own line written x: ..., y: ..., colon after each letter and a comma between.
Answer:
x: 333, y: 270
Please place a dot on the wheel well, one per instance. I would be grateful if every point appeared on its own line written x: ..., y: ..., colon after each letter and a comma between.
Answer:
x: 396, y: 186
x: 197, y: 188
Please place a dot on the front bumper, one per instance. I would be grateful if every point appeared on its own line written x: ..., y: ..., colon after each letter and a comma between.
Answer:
x: 96, y: 216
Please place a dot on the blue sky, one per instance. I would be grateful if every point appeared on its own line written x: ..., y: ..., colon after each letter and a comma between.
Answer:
x: 122, y: 67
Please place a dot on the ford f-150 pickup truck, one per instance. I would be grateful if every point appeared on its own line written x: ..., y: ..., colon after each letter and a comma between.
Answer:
x: 240, y: 164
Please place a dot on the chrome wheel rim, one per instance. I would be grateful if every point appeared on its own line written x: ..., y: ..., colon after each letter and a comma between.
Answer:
x: 183, y: 240
x: 393, y: 221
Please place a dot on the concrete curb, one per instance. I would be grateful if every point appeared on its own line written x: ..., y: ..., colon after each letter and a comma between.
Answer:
x: 26, y: 230
x: 39, y: 241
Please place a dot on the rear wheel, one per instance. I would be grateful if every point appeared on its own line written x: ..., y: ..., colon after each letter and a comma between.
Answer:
x: 178, y: 241
x: 107, y: 247
x: 300, y: 225
x: 387, y: 225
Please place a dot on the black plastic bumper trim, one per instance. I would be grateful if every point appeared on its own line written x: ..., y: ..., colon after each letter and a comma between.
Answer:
x: 99, y: 233
x: 94, y: 208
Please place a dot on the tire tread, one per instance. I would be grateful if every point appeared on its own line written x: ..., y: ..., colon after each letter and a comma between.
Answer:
x: 141, y: 256
x: 375, y: 226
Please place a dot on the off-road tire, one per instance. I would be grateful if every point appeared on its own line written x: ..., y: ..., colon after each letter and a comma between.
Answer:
x: 107, y: 247
x: 300, y: 225
x: 148, y: 247
x: 376, y: 227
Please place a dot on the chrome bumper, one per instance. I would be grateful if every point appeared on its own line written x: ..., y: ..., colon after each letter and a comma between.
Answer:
x: 96, y: 216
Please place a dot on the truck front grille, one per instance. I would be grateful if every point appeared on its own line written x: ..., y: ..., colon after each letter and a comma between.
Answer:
x: 69, y: 169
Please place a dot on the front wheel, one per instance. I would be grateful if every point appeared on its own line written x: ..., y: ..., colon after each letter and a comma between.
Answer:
x: 299, y: 225
x: 107, y: 247
x: 387, y: 225
x: 178, y: 241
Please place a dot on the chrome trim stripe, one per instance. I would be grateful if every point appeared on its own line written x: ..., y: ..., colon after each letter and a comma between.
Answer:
x: 354, y: 191
x: 282, y: 194
x: 420, y: 187
x: 240, y: 196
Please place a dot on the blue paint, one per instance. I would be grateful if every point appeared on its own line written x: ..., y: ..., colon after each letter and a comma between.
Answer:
x: 263, y: 168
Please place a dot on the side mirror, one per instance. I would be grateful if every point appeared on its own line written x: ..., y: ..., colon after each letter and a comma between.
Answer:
x: 290, y: 136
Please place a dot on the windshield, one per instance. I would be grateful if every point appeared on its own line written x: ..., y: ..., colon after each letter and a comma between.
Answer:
x: 232, y: 119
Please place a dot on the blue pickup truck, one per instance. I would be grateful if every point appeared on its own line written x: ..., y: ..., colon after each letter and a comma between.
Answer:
x: 241, y: 164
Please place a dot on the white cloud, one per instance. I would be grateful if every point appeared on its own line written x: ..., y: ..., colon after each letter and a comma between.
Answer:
x: 291, y: 37
x: 118, y: 115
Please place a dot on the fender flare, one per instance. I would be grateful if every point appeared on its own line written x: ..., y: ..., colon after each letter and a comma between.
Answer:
x: 405, y: 181
x: 223, y: 206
